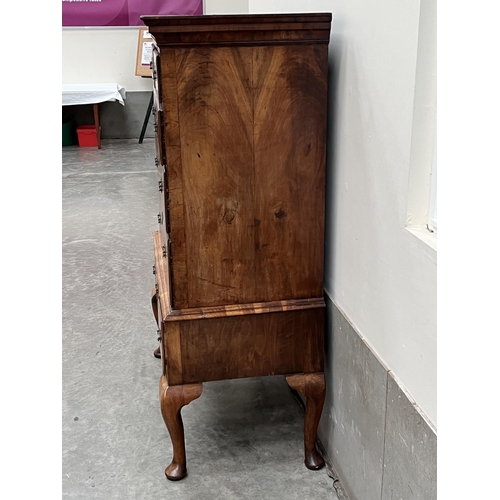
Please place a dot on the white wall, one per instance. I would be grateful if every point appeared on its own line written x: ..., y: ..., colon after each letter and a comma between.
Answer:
x: 378, y: 272
x: 225, y: 6
x: 102, y: 55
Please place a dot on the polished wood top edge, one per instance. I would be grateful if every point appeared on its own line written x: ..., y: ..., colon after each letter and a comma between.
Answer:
x: 223, y: 28
x: 243, y: 309
x: 162, y: 275
x: 246, y: 43
x: 315, y: 26
x: 211, y: 19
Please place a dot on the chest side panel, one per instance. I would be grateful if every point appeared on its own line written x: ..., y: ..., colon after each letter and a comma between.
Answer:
x: 252, y: 345
x: 245, y: 140
x: 218, y: 184
x: 289, y: 160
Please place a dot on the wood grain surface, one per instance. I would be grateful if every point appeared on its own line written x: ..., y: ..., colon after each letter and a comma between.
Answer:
x: 255, y: 29
x: 240, y: 103
x: 236, y: 341
x: 172, y: 399
x: 157, y: 110
x: 289, y: 162
x: 312, y: 386
x: 164, y: 283
x: 245, y: 142
x: 162, y: 276
x: 244, y: 346
x: 215, y: 116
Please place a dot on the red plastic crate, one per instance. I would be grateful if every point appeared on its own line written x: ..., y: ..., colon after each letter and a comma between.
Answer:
x: 87, y: 136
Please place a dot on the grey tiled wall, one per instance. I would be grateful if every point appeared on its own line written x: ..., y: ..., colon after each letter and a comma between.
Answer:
x: 377, y: 441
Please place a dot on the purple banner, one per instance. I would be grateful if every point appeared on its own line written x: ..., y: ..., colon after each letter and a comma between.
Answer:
x: 124, y: 12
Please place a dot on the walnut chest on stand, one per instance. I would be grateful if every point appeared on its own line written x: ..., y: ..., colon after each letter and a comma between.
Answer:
x: 240, y: 107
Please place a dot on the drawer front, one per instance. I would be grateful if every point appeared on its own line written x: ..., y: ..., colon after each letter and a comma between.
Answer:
x: 156, y: 75
x: 162, y: 342
x: 161, y: 327
x: 157, y: 110
x: 159, y: 127
x: 163, y: 209
x: 161, y: 225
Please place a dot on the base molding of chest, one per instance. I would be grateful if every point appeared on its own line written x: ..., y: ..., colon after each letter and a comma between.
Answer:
x: 243, y: 346
x: 239, y: 340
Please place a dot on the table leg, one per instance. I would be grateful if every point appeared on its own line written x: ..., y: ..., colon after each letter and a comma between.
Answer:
x: 146, y: 119
x: 97, y: 125
x: 312, y: 386
x: 172, y: 399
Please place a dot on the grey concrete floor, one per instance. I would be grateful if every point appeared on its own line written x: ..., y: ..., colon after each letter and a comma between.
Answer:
x: 243, y: 437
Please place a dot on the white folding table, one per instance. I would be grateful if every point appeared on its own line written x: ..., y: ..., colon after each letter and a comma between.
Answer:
x: 92, y: 93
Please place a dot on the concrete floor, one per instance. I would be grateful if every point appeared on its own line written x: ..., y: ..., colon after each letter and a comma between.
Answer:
x: 243, y: 437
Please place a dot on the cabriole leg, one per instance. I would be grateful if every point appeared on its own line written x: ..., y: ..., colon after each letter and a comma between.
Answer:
x: 312, y: 386
x: 172, y: 399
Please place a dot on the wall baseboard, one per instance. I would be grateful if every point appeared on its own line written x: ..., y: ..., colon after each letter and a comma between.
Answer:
x: 376, y: 439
